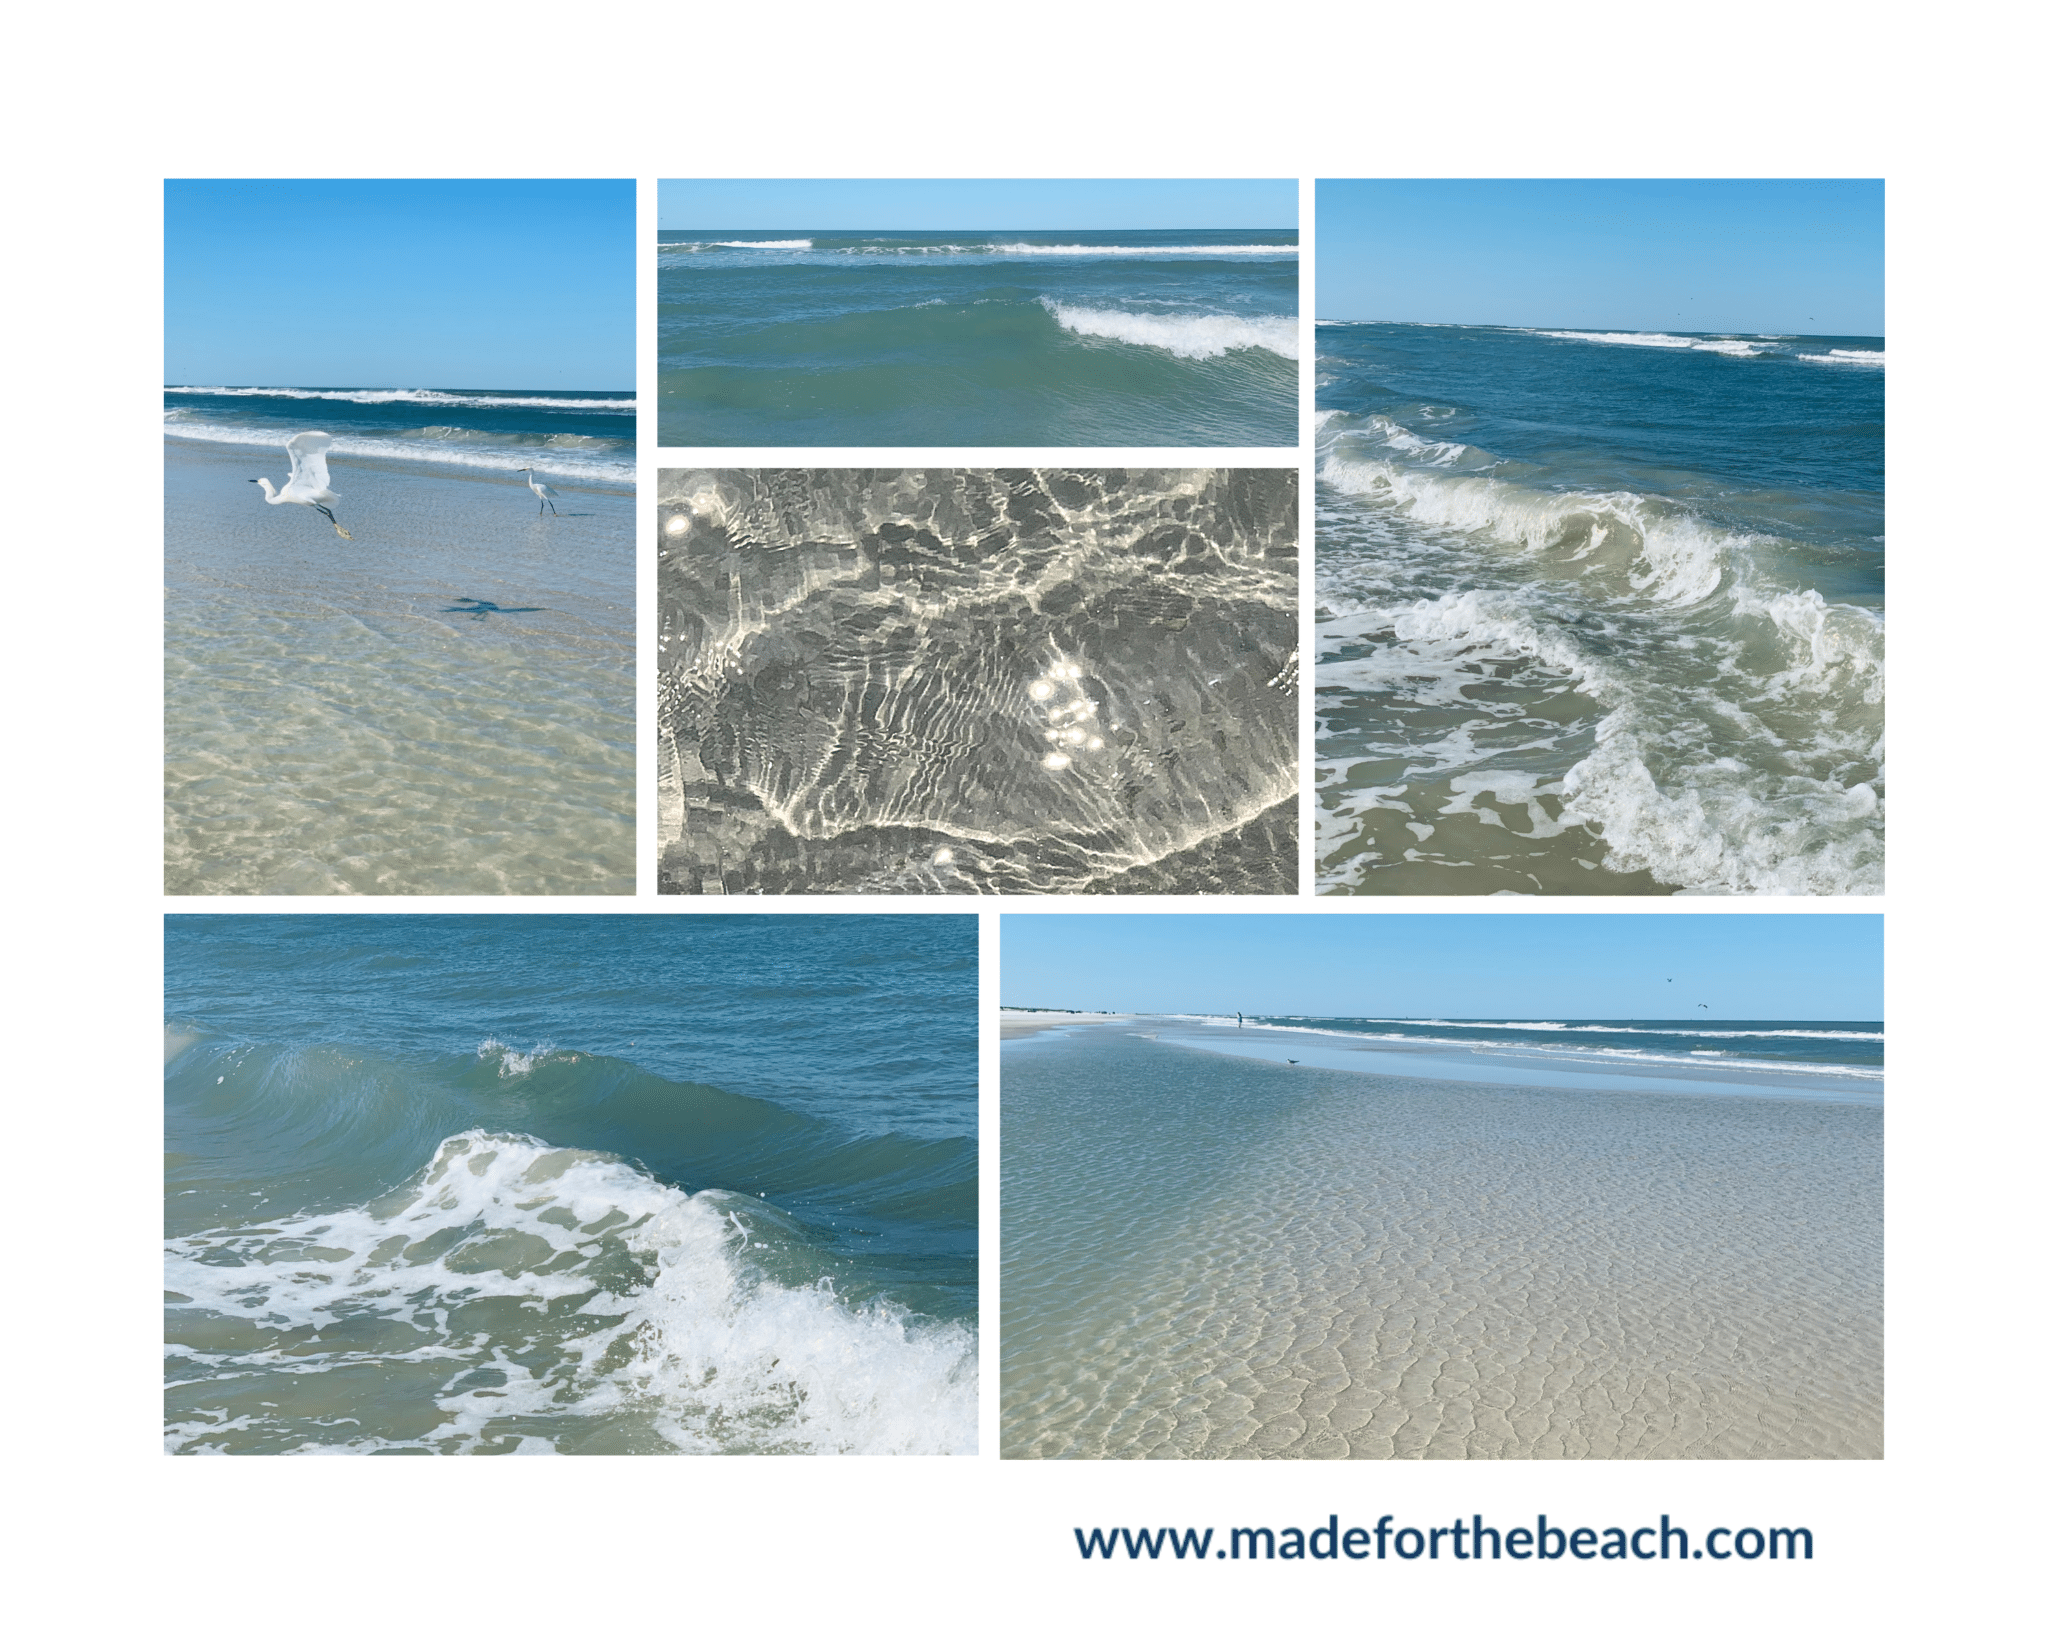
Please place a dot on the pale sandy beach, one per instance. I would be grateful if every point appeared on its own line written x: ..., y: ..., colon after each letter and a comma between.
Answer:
x: 1015, y: 1024
x: 1218, y: 1256
x: 338, y: 721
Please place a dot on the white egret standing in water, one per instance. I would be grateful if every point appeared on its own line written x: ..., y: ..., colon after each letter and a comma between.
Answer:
x: 547, y: 495
x: 307, y: 486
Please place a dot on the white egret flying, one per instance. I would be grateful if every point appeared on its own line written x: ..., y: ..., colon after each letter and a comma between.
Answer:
x: 547, y: 495
x: 307, y: 486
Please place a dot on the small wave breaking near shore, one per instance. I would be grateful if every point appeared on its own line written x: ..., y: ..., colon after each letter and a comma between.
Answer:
x: 535, y: 1298
x: 1674, y: 678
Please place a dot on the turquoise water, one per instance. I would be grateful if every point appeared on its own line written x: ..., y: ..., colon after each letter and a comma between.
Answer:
x: 797, y: 337
x: 1599, y: 612
x: 608, y: 1183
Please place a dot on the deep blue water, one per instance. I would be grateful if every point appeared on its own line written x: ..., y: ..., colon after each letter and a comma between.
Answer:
x: 1849, y: 1044
x: 566, y: 435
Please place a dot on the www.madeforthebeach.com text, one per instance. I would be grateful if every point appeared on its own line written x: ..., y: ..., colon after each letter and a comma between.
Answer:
x: 1476, y: 1539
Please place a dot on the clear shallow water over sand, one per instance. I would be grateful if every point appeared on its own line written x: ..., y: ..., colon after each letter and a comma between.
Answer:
x: 1209, y: 1256
x: 978, y: 682
x: 488, y: 1184
x: 1599, y: 613
x: 335, y: 723
x: 1174, y: 337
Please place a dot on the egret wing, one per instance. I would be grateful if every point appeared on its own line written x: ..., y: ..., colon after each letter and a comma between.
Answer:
x: 309, y: 458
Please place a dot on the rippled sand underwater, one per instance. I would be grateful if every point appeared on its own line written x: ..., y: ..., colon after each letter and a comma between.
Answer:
x: 1204, y: 1257
x: 978, y: 682
x: 336, y: 720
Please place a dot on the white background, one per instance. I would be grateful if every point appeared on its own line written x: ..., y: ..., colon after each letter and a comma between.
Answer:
x: 113, y: 1536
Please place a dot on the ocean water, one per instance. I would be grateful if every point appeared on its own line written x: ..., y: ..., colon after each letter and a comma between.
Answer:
x: 1822, y: 1057
x: 345, y: 717
x: 978, y: 682
x: 568, y: 436
x: 520, y: 1184
x: 1210, y: 1256
x: 1599, y: 612
x: 1178, y: 337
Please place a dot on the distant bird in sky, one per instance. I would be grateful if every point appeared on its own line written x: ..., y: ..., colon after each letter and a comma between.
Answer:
x: 1705, y: 1008
x: 547, y: 495
x: 307, y: 486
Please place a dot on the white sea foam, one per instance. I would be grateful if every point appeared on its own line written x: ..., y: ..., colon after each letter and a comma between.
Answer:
x: 511, y: 1062
x: 1133, y: 250
x: 417, y: 395
x: 1205, y: 335
x: 1676, y: 557
x: 1732, y: 346
x: 1564, y: 1053
x: 702, y: 1347
x: 979, y: 248
x: 1844, y: 355
x: 560, y: 459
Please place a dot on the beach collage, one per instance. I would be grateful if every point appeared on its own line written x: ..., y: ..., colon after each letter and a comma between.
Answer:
x: 1029, y: 821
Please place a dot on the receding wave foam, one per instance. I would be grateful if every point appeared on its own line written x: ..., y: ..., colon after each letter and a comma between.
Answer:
x: 1207, y: 335
x: 1844, y: 355
x: 545, y: 1288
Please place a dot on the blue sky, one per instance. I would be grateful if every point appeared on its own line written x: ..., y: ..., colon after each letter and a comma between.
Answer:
x: 399, y: 284
x: 1450, y: 966
x: 910, y: 206
x: 1798, y: 257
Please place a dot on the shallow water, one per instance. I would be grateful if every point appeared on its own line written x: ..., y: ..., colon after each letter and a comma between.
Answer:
x: 1179, y: 338
x: 603, y: 1184
x: 1599, y: 614
x: 978, y: 682
x: 337, y: 720
x: 1205, y: 1256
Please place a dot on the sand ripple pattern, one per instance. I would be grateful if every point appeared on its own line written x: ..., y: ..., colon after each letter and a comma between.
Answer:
x: 976, y: 682
x: 1247, y: 1260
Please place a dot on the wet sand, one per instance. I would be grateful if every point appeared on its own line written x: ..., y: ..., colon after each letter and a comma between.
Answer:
x: 1207, y: 1256
x: 337, y: 722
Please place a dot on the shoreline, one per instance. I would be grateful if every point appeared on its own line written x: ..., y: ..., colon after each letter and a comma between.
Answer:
x: 1017, y: 1023
x: 1529, y: 1067
x: 340, y: 458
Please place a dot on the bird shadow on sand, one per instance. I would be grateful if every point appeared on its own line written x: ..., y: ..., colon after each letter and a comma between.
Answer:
x: 478, y: 608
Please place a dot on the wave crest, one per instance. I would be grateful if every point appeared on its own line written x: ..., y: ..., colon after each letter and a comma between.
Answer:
x: 1203, y: 335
